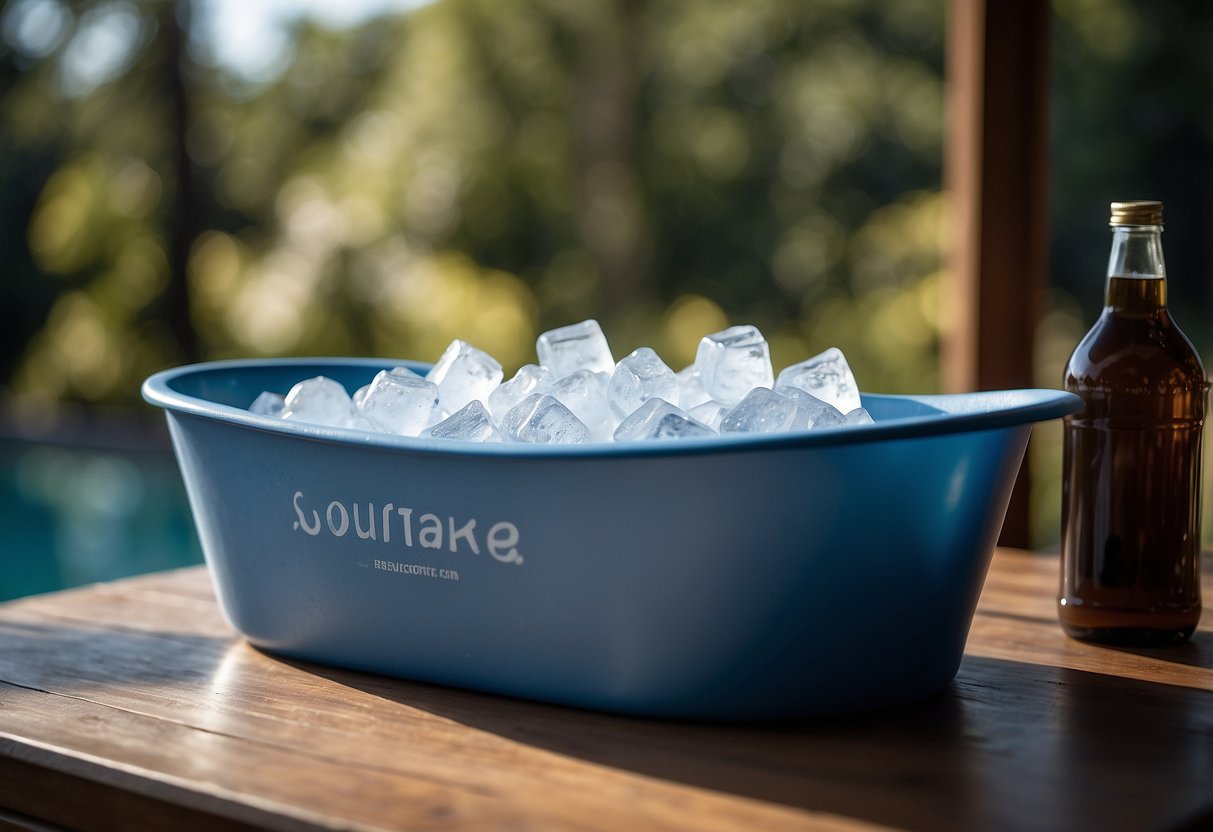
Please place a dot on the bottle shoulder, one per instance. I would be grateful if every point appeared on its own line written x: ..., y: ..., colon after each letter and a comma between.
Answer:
x: 1149, y: 354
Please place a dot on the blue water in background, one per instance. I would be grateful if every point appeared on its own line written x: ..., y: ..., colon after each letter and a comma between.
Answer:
x: 72, y: 515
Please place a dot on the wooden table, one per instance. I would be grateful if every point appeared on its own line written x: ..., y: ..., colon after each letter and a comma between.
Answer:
x: 133, y: 705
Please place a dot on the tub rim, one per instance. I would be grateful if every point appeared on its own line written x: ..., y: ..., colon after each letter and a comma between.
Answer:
x: 951, y: 413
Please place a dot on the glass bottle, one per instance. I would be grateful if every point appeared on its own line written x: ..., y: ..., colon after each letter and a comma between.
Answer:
x: 1130, y: 527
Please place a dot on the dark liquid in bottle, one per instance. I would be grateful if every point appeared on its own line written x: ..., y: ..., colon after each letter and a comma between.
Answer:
x: 1131, y: 504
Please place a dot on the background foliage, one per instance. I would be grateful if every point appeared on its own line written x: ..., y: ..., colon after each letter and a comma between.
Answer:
x: 478, y: 169
x: 488, y: 169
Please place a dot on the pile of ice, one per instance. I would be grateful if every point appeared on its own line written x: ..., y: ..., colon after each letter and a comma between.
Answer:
x: 578, y: 393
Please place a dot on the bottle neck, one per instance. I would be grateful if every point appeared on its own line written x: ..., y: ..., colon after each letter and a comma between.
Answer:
x: 1137, y: 274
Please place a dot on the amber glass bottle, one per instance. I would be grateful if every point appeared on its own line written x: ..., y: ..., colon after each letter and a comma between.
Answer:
x: 1130, y: 534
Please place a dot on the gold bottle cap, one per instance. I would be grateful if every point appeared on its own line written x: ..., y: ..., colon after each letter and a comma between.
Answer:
x: 1138, y: 212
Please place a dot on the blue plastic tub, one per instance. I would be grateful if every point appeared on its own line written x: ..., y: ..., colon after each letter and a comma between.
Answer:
x: 748, y: 577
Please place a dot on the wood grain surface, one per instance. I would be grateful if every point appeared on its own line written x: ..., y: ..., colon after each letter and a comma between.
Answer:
x: 133, y: 705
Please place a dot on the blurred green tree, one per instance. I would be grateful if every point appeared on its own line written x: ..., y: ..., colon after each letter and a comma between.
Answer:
x: 474, y: 169
x: 93, y: 109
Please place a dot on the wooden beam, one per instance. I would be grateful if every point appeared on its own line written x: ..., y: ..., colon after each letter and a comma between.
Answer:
x: 997, y: 177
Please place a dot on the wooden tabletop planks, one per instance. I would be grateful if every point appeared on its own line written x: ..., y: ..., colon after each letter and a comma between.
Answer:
x: 133, y: 704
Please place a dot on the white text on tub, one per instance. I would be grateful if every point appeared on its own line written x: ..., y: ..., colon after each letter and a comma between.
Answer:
x: 415, y: 569
x: 390, y: 525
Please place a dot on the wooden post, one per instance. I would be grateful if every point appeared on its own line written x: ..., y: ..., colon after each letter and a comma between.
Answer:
x: 997, y: 177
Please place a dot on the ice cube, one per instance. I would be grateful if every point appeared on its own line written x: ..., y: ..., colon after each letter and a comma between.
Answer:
x: 827, y: 376
x: 817, y: 414
x: 585, y: 393
x: 709, y: 413
x: 541, y: 419
x: 471, y: 424
x: 640, y: 377
x: 763, y: 411
x: 690, y: 390
x: 464, y: 373
x: 575, y: 347
x: 399, y: 403
x: 268, y: 404
x: 319, y: 400
x: 360, y: 422
x: 361, y: 392
x: 658, y: 419
x: 859, y: 416
x: 733, y: 362
x: 530, y: 378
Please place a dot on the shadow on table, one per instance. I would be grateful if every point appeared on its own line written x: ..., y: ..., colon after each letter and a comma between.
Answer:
x: 1195, y: 652
x: 1006, y: 745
